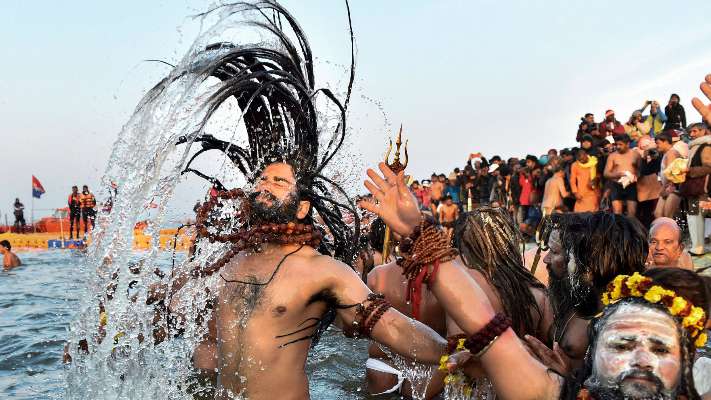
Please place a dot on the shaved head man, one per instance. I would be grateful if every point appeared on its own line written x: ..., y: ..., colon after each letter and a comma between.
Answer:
x: 665, y: 246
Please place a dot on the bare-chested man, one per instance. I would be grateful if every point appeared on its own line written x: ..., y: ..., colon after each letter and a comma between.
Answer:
x: 381, y: 375
x: 622, y: 168
x: 436, y: 191
x: 9, y: 259
x: 279, y: 281
x: 448, y: 213
x: 270, y: 305
x: 586, y: 251
x: 554, y: 192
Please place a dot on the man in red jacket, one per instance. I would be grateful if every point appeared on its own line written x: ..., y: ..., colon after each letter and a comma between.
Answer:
x: 610, y: 126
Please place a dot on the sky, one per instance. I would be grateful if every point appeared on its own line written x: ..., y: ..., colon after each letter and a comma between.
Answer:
x: 507, y: 78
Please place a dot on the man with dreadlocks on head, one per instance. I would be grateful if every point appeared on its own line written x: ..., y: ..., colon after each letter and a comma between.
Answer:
x: 283, y: 279
x: 586, y: 251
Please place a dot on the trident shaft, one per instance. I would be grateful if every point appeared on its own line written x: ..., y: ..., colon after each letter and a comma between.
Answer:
x: 396, y: 166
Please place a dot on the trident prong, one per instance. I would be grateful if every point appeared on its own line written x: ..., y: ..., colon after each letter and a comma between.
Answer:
x: 396, y: 166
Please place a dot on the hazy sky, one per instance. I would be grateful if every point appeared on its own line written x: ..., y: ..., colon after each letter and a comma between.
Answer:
x: 505, y: 78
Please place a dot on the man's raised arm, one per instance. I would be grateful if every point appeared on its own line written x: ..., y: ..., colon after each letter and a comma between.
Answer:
x: 506, y: 361
x: 404, y: 336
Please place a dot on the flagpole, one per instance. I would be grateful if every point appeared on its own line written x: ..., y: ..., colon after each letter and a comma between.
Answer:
x: 32, y: 213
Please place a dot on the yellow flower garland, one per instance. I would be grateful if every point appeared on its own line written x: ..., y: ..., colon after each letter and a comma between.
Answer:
x: 637, y: 285
x: 458, y: 376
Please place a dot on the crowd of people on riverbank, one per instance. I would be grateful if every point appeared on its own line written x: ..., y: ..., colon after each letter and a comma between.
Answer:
x: 652, y: 166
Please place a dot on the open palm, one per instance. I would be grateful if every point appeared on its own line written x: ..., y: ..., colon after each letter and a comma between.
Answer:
x: 395, y: 204
x: 704, y: 109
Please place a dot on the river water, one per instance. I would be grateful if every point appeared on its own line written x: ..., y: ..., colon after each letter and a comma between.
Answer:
x: 39, y: 299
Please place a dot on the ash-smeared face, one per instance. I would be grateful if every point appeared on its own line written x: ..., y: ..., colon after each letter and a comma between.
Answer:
x: 637, y: 355
x: 275, y: 197
x: 555, y: 259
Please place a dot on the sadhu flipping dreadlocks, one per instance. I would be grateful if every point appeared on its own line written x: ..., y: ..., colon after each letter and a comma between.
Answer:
x: 284, y: 278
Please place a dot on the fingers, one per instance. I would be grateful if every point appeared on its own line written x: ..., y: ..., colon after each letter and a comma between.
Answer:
x: 557, y: 354
x: 702, y: 109
x: 708, y: 79
x: 541, y: 350
x: 377, y: 180
x: 401, y: 185
x: 374, y: 190
x: 368, y: 206
x: 458, y: 360
x: 706, y: 87
x: 388, y: 173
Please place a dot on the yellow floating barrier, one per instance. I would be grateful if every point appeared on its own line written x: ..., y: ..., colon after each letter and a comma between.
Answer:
x: 54, y: 241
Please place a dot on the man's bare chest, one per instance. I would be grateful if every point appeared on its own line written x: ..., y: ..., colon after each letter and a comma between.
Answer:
x: 625, y: 162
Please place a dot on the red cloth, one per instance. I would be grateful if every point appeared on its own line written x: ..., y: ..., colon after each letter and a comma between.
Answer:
x: 414, y: 288
x: 525, y: 181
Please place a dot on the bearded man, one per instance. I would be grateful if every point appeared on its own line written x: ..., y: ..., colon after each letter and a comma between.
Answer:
x: 586, y: 251
x: 281, y: 278
x: 642, y: 347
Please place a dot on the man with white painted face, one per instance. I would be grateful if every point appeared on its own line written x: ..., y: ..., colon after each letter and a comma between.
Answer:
x: 642, y: 347
x: 643, y: 344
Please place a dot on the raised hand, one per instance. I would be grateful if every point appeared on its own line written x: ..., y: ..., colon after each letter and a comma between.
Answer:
x: 395, y: 204
x: 554, y: 359
x: 704, y: 109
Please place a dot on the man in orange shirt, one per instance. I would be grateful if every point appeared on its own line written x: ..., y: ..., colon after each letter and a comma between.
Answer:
x: 584, y: 182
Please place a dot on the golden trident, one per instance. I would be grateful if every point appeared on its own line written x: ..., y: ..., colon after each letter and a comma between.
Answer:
x: 396, y: 166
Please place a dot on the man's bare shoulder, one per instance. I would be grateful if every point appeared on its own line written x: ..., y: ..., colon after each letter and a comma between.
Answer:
x: 321, y: 264
x: 541, y: 296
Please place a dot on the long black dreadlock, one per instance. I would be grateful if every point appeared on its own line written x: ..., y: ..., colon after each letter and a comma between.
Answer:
x: 489, y: 242
x: 602, y: 245
x: 275, y: 91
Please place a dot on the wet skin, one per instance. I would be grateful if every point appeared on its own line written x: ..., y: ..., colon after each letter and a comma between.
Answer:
x: 388, y: 280
x: 263, y: 332
x: 572, y: 338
